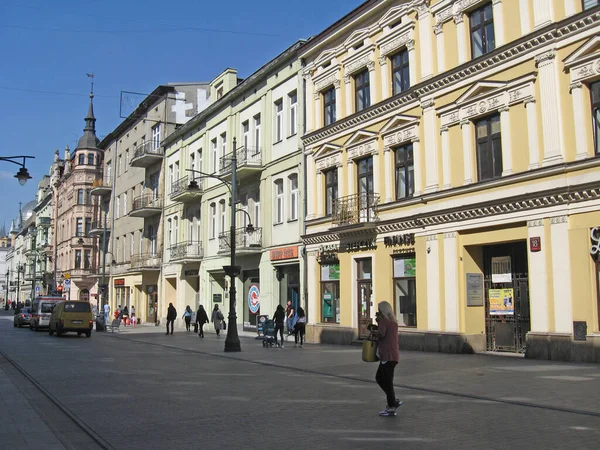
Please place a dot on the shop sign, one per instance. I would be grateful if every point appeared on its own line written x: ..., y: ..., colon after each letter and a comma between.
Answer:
x: 405, y: 267
x: 284, y: 253
x: 399, y: 240
x: 501, y: 269
x: 254, y: 298
x: 474, y: 289
x: 502, y: 302
x: 330, y: 272
x: 595, y: 235
x: 119, y: 282
x: 217, y: 298
x: 191, y: 272
x: 535, y: 244
x: 363, y: 244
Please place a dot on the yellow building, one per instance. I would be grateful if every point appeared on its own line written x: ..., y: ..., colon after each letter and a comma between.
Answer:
x: 453, y: 171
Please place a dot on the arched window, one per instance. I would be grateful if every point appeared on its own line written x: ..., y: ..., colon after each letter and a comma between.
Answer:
x: 81, y: 159
x: 91, y: 159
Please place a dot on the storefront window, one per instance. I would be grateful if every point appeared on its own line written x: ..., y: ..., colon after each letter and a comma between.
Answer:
x: 152, y: 303
x: 251, y: 296
x: 405, y: 293
x: 330, y: 293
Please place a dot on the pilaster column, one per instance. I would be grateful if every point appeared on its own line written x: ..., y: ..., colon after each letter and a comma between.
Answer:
x: 412, y: 62
x: 433, y: 284
x: 461, y: 33
x: 418, y: 174
x: 350, y: 177
x: 310, y: 103
x: 311, y: 171
x: 538, y: 282
x: 532, y: 134
x: 340, y: 180
x: 388, y: 164
x: 570, y: 8
x: 467, y: 137
x: 376, y: 174
x: 425, y: 44
x: 338, y: 100
x: 385, y: 82
x: 372, y: 83
x: 498, y: 22
x: 551, y: 107
x: 320, y: 194
x: 543, y: 13
x: 318, y: 122
x: 441, y: 52
x: 445, y: 158
x: 561, y: 268
x: 525, y: 18
x: 507, y: 168
x: 451, y: 282
x: 581, y: 138
x: 349, y: 96
x: 431, y: 156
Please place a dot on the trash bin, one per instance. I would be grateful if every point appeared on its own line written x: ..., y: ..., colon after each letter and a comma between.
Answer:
x: 100, y: 325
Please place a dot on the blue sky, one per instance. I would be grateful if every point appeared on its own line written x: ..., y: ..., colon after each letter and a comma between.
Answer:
x: 130, y: 45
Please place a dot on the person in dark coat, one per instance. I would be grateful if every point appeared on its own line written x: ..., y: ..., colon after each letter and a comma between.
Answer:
x: 201, y: 319
x: 171, y: 316
x: 278, y: 318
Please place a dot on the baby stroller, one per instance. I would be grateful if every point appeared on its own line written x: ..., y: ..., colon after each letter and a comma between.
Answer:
x: 268, y: 333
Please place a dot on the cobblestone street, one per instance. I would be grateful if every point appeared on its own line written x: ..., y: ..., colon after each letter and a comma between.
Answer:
x: 146, y: 390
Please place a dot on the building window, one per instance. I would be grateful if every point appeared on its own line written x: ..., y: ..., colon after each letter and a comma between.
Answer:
x: 405, y: 291
x: 362, y: 97
x: 293, y: 196
x: 587, y: 4
x: 595, y: 91
x: 331, y: 190
x: 90, y: 159
x: 405, y: 172
x: 88, y: 225
x: 257, y: 208
x: 246, y: 133
x: 118, y: 208
x: 78, y: 259
x: 330, y: 293
x: 278, y: 120
x: 223, y: 144
x: 125, y: 204
x: 192, y: 165
x: 152, y: 233
x: 257, y: 132
x: 222, y: 208
x: 200, y: 168
x: 278, y: 201
x: 80, y: 196
x: 219, y: 92
x: 156, y: 136
x: 127, y: 158
x: 482, y: 31
x: 79, y: 227
x: 175, y: 230
x: 169, y: 232
x: 215, y: 155
x: 213, y: 220
x: 81, y: 160
x: 132, y: 244
x: 400, y: 72
x: 108, y: 171
x: 329, y: 105
x: 489, y: 148
x: 293, y: 98
x: 120, y: 167
x: 87, y: 259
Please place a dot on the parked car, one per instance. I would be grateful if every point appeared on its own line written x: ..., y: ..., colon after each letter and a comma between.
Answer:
x: 22, y: 318
x: 71, y: 316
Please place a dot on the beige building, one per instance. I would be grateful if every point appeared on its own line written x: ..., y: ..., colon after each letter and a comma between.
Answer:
x: 452, y: 170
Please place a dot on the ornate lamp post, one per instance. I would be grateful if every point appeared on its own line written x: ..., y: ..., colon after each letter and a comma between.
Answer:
x: 23, y: 174
x: 20, y: 270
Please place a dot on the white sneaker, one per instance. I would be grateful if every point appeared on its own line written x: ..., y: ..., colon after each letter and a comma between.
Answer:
x: 388, y: 412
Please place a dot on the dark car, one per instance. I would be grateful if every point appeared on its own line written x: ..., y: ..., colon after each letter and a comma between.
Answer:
x: 22, y: 318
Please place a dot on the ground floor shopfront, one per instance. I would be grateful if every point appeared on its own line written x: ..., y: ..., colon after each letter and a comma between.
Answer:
x: 139, y: 290
x: 504, y: 284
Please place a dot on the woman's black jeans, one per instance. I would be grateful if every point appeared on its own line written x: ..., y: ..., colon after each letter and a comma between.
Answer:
x: 279, y: 328
x: 188, y: 320
x: 299, y: 330
x: 385, y: 380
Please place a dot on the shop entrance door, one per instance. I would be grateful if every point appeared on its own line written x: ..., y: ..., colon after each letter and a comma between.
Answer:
x: 506, y: 286
x: 364, y: 308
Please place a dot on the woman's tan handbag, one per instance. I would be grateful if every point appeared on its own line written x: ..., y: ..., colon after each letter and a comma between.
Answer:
x: 369, y: 349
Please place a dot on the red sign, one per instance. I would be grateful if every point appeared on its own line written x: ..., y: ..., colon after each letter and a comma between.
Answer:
x: 119, y: 282
x: 284, y: 253
x: 535, y: 244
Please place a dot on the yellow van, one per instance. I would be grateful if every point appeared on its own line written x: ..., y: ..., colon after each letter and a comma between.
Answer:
x: 71, y: 316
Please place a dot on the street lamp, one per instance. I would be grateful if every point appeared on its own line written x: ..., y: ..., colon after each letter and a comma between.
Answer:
x: 23, y: 174
x: 6, y: 298
x: 232, y: 341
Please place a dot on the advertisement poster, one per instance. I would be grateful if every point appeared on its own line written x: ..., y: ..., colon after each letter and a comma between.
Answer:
x: 502, y: 302
x: 405, y: 267
x: 254, y: 298
x: 501, y: 269
x: 327, y: 305
x: 330, y: 272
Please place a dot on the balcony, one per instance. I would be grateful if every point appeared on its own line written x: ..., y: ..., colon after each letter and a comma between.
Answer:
x: 145, y: 261
x: 100, y: 187
x: 97, y: 229
x: 147, y: 154
x: 81, y: 272
x: 44, y: 222
x: 245, y: 241
x: 355, y: 212
x: 184, y: 190
x: 147, y: 205
x: 190, y: 251
x: 249, y: 161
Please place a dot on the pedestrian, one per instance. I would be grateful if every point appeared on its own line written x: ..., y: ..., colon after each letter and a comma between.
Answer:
x: 278, y: 318
x: 125, y: 315
x: 133, y: 318
x: 171, y: 316
x: 106, y: 312
x: 300, y: 327
x: 289, y: 317
x: 217, y: 319
x: 118, y: 312
x: 201, y: 319
x: 389, y: 354
x: 187, y: 316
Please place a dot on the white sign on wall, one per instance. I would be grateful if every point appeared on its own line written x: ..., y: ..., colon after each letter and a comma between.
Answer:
x: 501, y: 269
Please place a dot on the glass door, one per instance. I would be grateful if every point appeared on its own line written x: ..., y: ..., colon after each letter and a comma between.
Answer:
x: 365, y: 303
x: 365, y: 189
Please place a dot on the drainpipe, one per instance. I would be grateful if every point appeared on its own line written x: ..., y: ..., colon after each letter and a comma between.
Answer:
x: 305, y: 199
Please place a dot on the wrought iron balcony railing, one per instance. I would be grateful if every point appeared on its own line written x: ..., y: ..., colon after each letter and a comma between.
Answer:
x: 186, y: 250
x: 147, y: 201
x: 185, y: 187
x: 44, y: 221
x: 244, y: 240
x: 148, y: 148
x: 355, y: 209
x: 246, y: 157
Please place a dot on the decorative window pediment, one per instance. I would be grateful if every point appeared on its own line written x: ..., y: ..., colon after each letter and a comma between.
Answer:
x: 485, y: 97
x: 396, y: 38
x: 398, y: 121
x: 393, y: 15
x: 360, y: 136
x: 361, y: 143
x: 584, y: 63
x: 356, y: 37
x: 398, y: 130
x: 324, y: 58
x: 328, y: 155
x: 326, y: 78
x: 360, y: 59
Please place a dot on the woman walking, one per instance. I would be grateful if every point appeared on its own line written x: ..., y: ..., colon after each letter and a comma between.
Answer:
x: 201, y: 319
x: 187, y: 316
x: 300, y: 327
x: 217, y: 319
x: 389, y: 354
x: 278, y: 318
